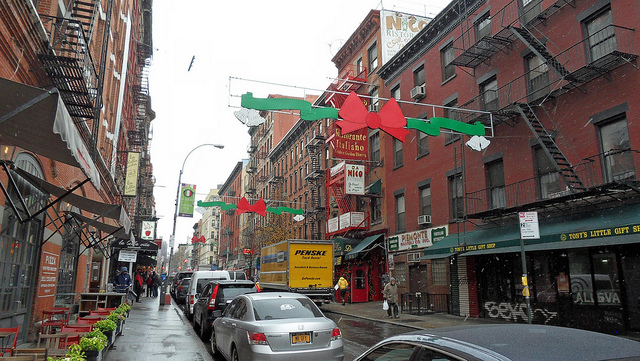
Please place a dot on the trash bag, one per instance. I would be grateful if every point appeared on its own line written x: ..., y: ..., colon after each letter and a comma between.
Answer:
x: 385, y: 305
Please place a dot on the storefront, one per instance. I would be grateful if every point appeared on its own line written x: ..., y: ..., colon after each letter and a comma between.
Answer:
x: 362, y: 264
x: 583, y: 271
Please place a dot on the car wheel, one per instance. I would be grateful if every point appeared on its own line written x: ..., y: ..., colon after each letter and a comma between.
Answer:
x: 212, y: 342
x: 234, y: 354
x: 204, y: 331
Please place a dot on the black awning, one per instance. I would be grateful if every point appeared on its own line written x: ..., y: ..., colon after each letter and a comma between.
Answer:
x: 135, y: 243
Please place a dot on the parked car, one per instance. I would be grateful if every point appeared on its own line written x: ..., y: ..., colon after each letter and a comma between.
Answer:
x: 213, y: 300
x: 275, y: 326
x: 199, y: 279
x: 181, y: 291
x: 176, y: 281
x: 503, y: 342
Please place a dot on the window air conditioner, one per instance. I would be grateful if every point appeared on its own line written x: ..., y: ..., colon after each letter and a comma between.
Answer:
x: 413, y: 257
x: 418, y: 92
x: 424, y: 219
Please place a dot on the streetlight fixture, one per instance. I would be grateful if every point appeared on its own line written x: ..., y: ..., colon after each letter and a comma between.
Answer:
x: 175, y: 214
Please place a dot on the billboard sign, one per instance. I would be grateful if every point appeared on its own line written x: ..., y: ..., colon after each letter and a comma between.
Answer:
x: 397, y: 29
x: 187, y: 200
x: 354, y: 146
x: 131, y: 179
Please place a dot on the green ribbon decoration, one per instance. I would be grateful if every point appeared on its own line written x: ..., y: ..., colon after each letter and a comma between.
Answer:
x: 226, y: 206
x: 307, y: 112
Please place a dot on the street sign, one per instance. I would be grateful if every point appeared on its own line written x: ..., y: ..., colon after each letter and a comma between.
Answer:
x: 529, y: 225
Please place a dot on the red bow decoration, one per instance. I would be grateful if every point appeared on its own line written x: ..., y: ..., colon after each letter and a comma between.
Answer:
x: 195, y: 239
x: 260, y: 207
x: 389, y: 119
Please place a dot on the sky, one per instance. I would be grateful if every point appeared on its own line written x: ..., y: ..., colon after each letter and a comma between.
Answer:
x: 265, y: 47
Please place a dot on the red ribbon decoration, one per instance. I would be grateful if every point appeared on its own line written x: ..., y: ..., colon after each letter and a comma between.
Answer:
x: 389, y: 119
x: 260, y: 207
x: 195, y: 239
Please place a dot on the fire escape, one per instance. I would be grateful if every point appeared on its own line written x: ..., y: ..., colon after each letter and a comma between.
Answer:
x: 315, y: 179
x: 558, y: 73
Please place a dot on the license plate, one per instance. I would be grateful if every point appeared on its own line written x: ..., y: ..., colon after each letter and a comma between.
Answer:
x: 300, y: 338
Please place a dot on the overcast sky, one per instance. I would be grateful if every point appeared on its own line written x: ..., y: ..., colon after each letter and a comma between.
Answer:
x: 266, y: 43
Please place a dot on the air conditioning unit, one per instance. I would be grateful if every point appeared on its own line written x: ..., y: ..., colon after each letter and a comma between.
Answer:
x: 373, y: 107
x: 424, y: 219
x: 413, y: 257
x: 418, y: 92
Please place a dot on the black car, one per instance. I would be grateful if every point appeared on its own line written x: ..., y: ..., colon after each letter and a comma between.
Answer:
x: 181, y: 290
x: 176, y: 281
x: 215, y: 297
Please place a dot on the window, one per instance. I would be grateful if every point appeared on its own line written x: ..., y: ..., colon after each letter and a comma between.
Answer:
x: 374, y: 100
x: 495, y: 184
x: 447, y: 55
x: 489, y: 91
x: 425, y: 200
x: 398, y: 160
x: 537, y: 77
x: 548, y: 177
x: 400, y: 213
x: 295, y: 180
x: 376, y: 209
x: 401, y: 272
x: 418, y: 76
x: 359, y: 68
x: 600, y: 287
x: 395, y: 92
x: 615, y: 148
x: 439, y: 271
x: 451, y: 114
x: 374, y: 146
x: 601, y: 35
x: 483, y: 27
x: 456, y: 197
x: 372, y: 52
x: 423, y: 143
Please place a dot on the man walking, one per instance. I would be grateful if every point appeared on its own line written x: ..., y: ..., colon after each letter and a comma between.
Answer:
x: 390, y: 294
x: 343, y: 285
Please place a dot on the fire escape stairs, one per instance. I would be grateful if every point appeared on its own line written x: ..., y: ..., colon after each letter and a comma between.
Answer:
x: 541, y: 51
x: 85, y: 12
x: 344, y: 204
x: 551, y: 148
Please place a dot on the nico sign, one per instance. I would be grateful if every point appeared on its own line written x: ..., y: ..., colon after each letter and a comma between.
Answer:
x: 354, y: 179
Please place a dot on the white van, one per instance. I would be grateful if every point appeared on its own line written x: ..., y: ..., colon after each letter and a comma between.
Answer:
x: 199, y: 279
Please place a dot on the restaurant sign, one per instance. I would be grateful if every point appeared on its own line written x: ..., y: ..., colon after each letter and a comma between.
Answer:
x: 419, y: 239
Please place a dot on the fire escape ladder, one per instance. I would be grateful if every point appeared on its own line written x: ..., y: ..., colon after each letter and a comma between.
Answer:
x: 541, y: 51
x: 85, y: 11
x: 551, y: 148
x: 344, y: 203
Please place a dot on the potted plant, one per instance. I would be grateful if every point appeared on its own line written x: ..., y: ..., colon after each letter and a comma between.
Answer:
x: 92, y: 343
x: 117, y: 319
x: 75, y: 353
x: 106, y: 327
x: 125, y: 308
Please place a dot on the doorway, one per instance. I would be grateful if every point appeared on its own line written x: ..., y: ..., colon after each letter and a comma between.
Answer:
x: 360, y: 284
x: 418, y: 279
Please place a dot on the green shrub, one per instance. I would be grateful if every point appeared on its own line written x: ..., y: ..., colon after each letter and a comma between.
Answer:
x: 105, y: 326
x: 95, y: 343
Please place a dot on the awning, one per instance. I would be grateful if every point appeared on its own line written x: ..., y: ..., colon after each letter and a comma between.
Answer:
x: 135, y: 243
x: 116, y: 231
x: 611, y: 226
x: 437, y: 256
x: 374, y: 188
x: 37, y: 120
x: 342, y: 245
x: 366, y: 245
x: 113, y: 211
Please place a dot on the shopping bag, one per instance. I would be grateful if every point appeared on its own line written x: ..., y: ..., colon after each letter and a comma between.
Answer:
x: 336, y: 287
x: 385, y: 305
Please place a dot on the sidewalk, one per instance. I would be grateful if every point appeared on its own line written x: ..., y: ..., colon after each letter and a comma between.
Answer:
x: 373, y: 311
x: 154, y: 332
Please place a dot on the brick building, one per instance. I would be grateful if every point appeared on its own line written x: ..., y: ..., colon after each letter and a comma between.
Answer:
x: 230, y: 222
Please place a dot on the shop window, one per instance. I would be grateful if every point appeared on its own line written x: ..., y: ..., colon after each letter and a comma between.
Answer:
x: 374, y: 146
x: 544, y: 279
x: 549, y: 182
x: 65, y: 291
x: 537, y: 77
x: 456, y: 197
x: 398, y: 159
x: 483, y: 27
x: 601, y: 36
x: 401, y: 272
x: 400, y: 213
x: 447, y: 54
x: 615, y: 147
x: 600, y: 287
x: 439, y: 272
x: 489, y: 91
x: 495, y: 184
x: 372, y: 52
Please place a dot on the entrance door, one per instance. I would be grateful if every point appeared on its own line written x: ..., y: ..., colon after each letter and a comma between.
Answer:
x: 360, y: 284
x: 418, y: 281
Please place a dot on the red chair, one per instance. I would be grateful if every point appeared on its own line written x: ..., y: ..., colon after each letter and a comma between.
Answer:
x: 87, y: 321
x: 74, y: 328
x: 68, y: 341
x: 9, y: 332
x: 53, y: 318
x: 99, y: 313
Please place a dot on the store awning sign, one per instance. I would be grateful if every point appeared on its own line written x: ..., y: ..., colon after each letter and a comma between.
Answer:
x: 127, y: 256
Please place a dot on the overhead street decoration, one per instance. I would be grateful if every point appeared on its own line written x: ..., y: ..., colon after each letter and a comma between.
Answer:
x: 243, y: 206
x: 354, y: 116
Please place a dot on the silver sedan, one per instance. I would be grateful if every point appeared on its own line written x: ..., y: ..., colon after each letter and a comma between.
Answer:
x: 275, y: 326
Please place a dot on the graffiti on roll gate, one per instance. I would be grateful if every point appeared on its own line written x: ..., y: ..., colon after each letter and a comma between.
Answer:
x: 517, y: 312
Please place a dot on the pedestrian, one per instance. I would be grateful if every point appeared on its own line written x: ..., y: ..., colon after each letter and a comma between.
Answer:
x: 154, y: 284
x: 343, y: 285
x: 390, y: 294
x: 149, y: 282
x: 123, y: 281
x: 138, y: 285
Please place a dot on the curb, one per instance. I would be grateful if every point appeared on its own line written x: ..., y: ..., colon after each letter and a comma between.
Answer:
x: 375, y: 319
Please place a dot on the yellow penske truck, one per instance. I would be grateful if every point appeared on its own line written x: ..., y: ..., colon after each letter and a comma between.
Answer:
x: 298, y: 265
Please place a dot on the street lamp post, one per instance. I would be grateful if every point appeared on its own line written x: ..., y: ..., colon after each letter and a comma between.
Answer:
x: 175, y: 214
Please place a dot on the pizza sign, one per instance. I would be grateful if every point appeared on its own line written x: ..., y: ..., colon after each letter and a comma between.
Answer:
x: 148, y: 230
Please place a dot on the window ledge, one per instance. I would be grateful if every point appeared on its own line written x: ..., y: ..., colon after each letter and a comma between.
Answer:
x: 422, y: 155
x: 448, y: 79
x: 398, y: 166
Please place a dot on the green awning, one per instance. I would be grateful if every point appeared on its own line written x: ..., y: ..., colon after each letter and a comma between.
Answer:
x: 436, y: 256
x: 374, y: 188
x: 366, y: 245
x: 342, y: 245
x: 620, y: 225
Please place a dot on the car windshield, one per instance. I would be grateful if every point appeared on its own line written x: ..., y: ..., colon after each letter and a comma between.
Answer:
x: 284, y: 308
x: 230, y: 291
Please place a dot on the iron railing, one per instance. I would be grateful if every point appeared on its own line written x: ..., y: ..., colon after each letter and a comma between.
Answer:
x: 422, y: 303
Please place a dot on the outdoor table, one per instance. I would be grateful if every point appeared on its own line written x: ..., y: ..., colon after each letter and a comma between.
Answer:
x: 5, y: 335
